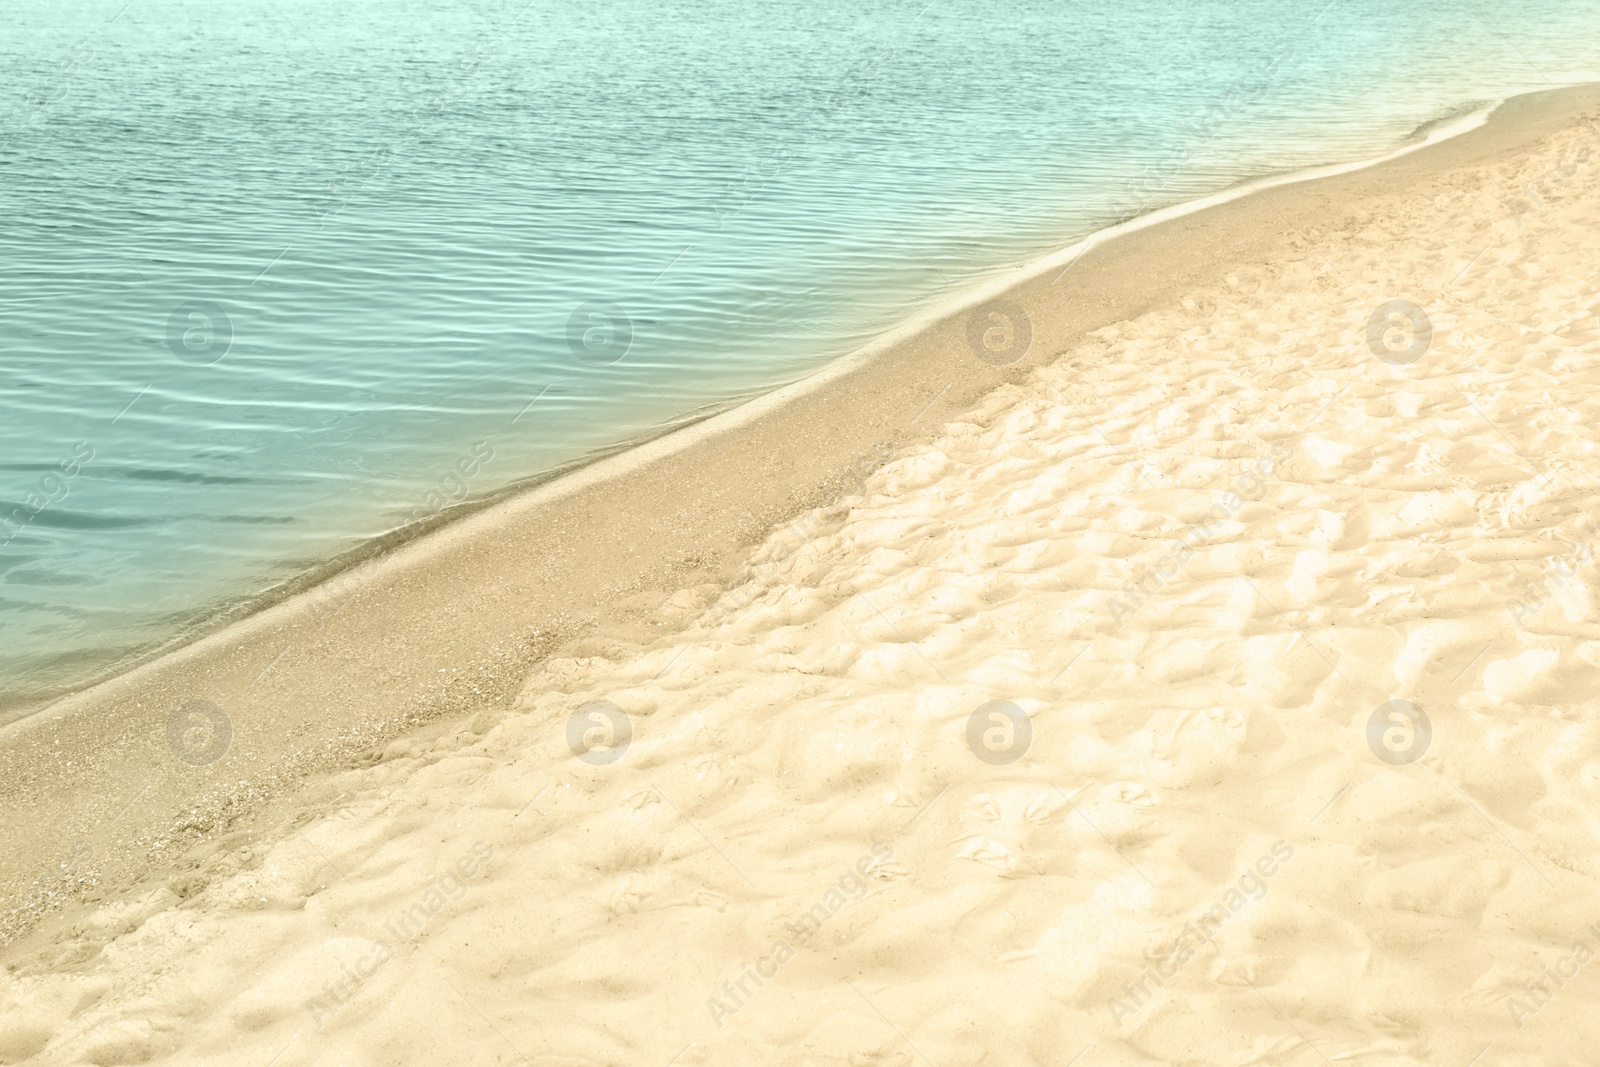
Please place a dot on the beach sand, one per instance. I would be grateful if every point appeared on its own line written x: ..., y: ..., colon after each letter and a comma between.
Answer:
x: 1213, y: 685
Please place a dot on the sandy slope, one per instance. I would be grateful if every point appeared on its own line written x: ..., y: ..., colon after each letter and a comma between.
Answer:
x: 1198, y: 550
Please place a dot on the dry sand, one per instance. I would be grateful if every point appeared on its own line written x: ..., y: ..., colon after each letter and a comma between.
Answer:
x: 1066, y: 735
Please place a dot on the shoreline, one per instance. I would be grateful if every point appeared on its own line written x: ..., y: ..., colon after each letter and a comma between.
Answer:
x: 206, y: 623
x: 483, y: 598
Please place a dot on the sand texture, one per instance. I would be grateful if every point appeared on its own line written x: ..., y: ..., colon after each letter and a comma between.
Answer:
x: 1196, y: 551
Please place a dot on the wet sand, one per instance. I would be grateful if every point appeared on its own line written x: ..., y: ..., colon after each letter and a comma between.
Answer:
x: 204, y: 800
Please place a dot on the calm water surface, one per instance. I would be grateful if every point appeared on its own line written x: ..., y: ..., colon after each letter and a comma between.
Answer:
x: 280, y: 276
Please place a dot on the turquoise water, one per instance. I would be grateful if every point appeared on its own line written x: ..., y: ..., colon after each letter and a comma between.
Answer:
x: 278, y: 276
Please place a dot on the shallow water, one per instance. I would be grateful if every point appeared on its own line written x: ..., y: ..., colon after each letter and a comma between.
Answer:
x: 279, y: 276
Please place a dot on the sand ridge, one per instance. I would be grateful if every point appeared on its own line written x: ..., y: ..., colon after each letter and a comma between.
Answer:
x: 1220, y: 692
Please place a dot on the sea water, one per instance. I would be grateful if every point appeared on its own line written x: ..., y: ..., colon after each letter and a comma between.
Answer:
x: 279, y: 277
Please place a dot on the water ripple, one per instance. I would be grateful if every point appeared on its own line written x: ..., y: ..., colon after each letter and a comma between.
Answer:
x: 272, y: 271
